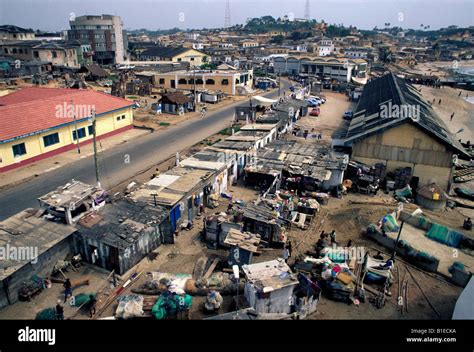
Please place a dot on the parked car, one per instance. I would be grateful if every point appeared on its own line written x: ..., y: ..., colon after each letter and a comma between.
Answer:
x: 313, y: 102
x: 321, y: 99
x: 348, y: 115
x: 314, y: 112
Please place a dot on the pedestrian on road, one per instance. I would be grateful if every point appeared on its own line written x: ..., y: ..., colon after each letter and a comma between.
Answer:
x: 439, y: 102
x: 460, y: 93
x: 452, y: 115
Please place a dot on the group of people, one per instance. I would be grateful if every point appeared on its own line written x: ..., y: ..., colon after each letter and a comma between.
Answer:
x: 59, y: 309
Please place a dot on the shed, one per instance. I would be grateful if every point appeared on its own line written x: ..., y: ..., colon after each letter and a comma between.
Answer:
x: 30, y: 246
x: 242, y: 246
x: 269, y: 286
x: 122, y: 233
x: 176, y: 103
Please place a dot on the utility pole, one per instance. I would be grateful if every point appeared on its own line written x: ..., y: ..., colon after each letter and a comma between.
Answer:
x: 194, y: 81
x: 279, y: 83
x: 75, y: 127
x: 94, y: 140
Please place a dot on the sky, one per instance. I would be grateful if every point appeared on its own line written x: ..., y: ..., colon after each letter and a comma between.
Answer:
x: 53, y: 15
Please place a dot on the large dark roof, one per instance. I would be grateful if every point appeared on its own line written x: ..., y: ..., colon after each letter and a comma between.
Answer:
x: 164, y: 51
x: 387, y: 89
x: 175, y: 98
x: 14, y: 29
x: 122, y: 223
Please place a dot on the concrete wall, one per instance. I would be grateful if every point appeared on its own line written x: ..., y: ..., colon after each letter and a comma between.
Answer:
x: 43, y: 268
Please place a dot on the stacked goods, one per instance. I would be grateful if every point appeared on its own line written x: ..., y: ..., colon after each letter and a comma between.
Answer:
x: 379, y: 171
x: 402, y: 177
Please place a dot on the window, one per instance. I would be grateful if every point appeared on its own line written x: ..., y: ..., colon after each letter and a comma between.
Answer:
x: 210, y: 81
x: 81, y: 132
x: 90, y: 130
x: 191, y: 81
x: 192, y: 59
x: 199, y: 81
x: 118, y: 118
x: 55, y: 54
x: 179, y: 59
x: 14, y: 50
x: 182, y: 81
x: 19, y: 149
x: 51, y: 139
x: 225, y: 82
x: 162, y: 81
x: 121, y: 117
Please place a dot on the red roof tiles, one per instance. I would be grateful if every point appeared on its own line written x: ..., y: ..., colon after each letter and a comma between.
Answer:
x: 32, y: 110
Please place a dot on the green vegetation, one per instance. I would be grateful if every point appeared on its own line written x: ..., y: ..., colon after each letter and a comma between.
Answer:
x: 268, y: 23
x: 209, y: 66
x: 164, y: 124
x: 228, y: 131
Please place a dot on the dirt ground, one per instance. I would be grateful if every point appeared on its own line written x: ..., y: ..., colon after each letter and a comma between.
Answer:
x: 347, y: 216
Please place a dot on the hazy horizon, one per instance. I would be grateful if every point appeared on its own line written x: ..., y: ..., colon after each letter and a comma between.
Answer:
x: 53, y: 15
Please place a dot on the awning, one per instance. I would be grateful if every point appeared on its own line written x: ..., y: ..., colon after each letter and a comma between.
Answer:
x: 359, y: 80
x: 264, y: 101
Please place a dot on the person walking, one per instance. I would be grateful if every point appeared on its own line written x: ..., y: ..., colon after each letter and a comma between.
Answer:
x: 286, y: 254
x: 93, y: 304
x: 59, y: 311
x: 333, y: 237
x: 452, y: 115
x: 67, y: 289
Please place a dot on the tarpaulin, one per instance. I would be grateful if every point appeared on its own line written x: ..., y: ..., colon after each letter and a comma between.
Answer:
x: 444, y: 235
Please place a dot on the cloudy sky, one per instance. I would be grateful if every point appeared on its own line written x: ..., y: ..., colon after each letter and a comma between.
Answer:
x: 162, y: 14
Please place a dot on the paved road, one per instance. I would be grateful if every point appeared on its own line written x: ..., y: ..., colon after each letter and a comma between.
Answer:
x: 142, y: 154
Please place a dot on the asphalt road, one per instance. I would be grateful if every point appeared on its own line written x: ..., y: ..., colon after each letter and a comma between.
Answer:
x: 122, y: 162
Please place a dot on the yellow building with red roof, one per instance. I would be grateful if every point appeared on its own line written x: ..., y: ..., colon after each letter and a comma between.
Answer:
x: 36, y: 123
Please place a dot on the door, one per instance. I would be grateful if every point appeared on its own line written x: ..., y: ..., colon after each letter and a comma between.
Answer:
x: 173, y: 83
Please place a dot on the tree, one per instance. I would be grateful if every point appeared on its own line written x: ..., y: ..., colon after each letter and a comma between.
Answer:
x: 277, y: 39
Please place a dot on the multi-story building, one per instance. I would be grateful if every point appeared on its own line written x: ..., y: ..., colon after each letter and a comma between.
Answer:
x: 230, y: 82
x: 105, y: 34
x: 10, y: 32
x: 57, y: 53
x: 162, y: 53
x: 340, y: 69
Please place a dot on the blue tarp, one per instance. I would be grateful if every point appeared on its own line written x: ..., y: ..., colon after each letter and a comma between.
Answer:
x: 444, y: 235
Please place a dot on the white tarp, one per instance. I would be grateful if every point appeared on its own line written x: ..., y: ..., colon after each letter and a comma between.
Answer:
x: 464, y: 308
x: 264, y: 101
x: 163, y: 180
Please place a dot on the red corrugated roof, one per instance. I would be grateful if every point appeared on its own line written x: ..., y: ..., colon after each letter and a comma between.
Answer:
x: 32, y: 110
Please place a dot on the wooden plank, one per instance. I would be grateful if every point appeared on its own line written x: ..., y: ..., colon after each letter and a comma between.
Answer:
x: 211, y: 269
